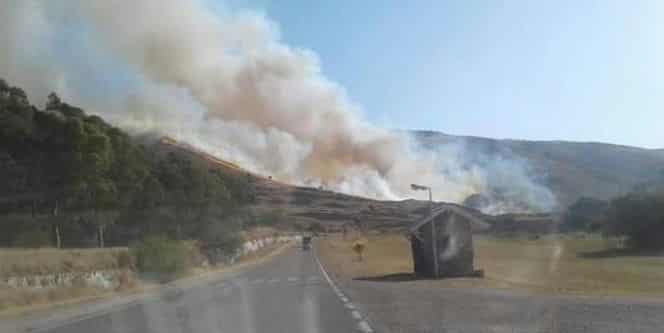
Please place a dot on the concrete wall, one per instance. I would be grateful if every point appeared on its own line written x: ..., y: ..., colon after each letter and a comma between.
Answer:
x: 250, y: 247
x: 105, y: 279
x: 110, y: 279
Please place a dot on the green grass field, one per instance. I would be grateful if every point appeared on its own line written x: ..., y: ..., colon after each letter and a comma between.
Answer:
x: 553, y: 265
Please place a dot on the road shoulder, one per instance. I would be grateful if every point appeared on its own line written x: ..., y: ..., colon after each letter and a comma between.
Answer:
x: 80, y: 309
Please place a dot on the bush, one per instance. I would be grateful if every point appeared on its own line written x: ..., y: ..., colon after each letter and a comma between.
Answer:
x: 586, y: 214
x: 219, y: 240
x: 33, y: 239
x: 640, y: 217
x: 162, y: 256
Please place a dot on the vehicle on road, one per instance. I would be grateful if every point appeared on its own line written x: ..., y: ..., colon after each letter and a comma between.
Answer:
x: 306, y: 243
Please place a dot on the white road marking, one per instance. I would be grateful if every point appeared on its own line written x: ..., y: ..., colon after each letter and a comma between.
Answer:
x: 356, y: 314
x: 275, y: 280
x: 314, y: 278
x: 364, y: 327
x: 292, y: 279
x: 257, y: 281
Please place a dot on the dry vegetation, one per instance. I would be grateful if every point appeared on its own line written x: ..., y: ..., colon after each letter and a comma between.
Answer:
x: 549, y: 266
x: 24, y: 262
x: 15, y: 262
x: 21, y: 299
x: 29, y: 262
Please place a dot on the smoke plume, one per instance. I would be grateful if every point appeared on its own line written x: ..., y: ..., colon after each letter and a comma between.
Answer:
x: 226, y: 83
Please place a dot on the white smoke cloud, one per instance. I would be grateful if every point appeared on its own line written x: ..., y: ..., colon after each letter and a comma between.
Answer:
x: 226, y: 83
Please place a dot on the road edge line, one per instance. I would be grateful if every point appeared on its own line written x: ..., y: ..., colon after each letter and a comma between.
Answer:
x: 363, y: 322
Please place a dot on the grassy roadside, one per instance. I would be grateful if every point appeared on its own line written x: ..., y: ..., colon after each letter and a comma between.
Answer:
x: 542, y: 266
x: 30, y: 301
x: 16, y: 262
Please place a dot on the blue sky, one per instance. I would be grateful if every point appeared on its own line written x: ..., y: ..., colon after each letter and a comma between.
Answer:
x: 577, y: 70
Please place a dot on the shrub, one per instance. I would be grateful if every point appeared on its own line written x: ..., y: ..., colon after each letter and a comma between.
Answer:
x: 162, y: 256
x: 639, y: 217
x: 586, y: 214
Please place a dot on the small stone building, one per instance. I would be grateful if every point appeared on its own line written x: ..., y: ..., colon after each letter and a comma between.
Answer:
x: 442, y: 243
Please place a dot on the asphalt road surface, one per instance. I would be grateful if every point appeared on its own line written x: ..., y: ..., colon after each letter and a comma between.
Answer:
x: 397, y: 307
x: 288, y: 294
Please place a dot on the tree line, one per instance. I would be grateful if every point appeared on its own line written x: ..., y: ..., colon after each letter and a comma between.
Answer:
x: 68, y: 178
x: 637, y: 216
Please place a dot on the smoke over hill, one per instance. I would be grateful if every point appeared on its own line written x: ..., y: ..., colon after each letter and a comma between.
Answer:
x: 226, y: 83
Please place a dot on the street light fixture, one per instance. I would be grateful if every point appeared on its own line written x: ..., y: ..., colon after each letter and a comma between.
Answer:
x: 416, y: 187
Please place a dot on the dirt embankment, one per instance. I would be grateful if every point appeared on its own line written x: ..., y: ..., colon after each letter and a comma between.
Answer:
x: 30, y: 277
x: 38, y: 278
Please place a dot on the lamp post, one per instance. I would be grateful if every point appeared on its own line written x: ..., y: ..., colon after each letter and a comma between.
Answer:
x: 434, y: 242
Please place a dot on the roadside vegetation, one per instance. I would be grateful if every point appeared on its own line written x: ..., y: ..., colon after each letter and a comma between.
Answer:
x: 162, y: 257
x: 71, y: 180
x: 34, y: 265
x: 637, y: 217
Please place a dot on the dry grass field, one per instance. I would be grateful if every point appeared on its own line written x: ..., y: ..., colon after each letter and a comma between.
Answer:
x: 549, y: 266
x: 21, y: 262
x: 28, y: 262
x: 48, y: 260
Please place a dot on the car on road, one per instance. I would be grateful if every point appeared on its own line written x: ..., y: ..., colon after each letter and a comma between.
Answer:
x: 306, y: 243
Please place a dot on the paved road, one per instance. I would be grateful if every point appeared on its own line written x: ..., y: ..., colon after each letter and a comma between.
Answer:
x: 417, y: 307
x: 288, y: 294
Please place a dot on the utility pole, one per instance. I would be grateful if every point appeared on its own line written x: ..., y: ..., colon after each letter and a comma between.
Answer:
x: 434, y: 240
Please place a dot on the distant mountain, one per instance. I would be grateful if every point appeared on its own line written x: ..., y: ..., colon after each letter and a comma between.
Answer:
x: 570, y: 169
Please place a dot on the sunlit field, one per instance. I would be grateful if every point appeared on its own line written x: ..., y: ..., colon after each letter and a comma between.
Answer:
x: 554, y: 265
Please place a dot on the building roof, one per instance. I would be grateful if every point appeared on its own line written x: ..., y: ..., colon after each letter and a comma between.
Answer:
x: 446, y: 207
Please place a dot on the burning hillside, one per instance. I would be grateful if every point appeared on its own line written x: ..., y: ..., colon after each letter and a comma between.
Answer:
x: 227, y: 84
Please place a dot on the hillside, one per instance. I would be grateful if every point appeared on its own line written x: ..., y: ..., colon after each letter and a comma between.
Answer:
x: 126, y: 187
x: 301, y: 207
x: 70, y: 179
x: 570, y: 169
